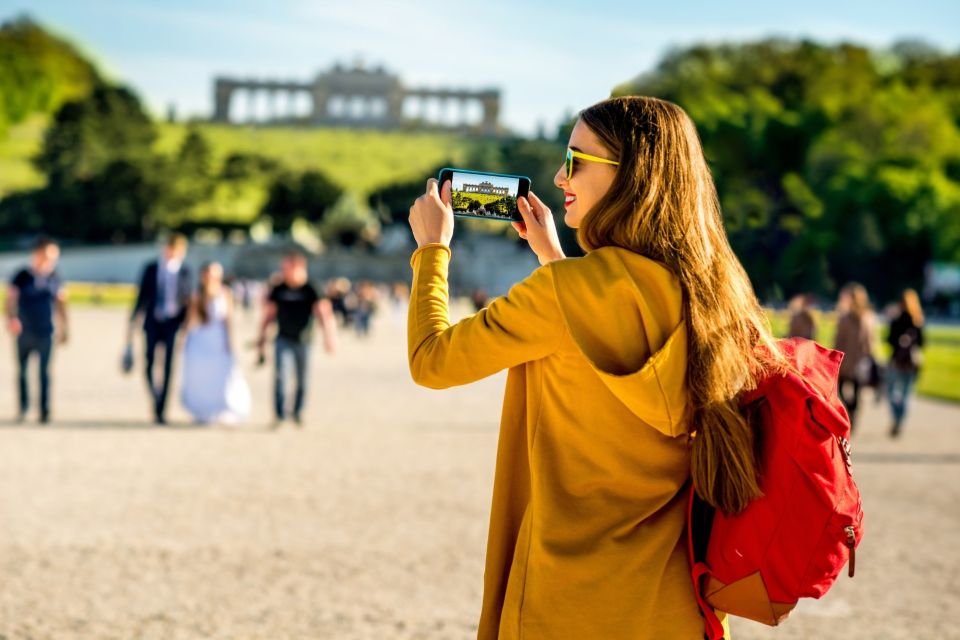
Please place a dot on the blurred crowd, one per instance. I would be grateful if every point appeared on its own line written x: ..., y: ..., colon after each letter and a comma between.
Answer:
x: 191, y: 320
x: 857, y: 336
x: 177, y: 315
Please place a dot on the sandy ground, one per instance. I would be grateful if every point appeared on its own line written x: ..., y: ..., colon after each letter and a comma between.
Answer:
x: 370, y: 522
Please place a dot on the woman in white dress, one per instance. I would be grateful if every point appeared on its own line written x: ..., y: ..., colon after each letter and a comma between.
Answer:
x: 214, y: 389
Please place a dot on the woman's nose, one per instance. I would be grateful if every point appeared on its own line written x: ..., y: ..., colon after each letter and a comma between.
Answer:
x: 560, y: 177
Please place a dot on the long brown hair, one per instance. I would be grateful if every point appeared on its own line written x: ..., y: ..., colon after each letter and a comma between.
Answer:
x: 858, y: 300
x: 663, y: 204
x: 910, y: 302
x: 203, y: 292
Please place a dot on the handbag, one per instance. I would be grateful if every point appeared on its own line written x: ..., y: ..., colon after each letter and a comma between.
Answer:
x: 868, y: 372
x: 126, y: 360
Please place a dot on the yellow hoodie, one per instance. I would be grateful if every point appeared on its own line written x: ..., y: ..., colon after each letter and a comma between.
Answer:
x: 588, y: 509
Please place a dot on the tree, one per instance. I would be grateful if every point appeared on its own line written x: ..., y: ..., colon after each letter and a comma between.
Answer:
x: 307, y: 196
x: 38, y: 72
x: 281, y: 205
x: 832, y: 163
x: 88, y: 134
x: 316, y: 194
x: 349, y: 222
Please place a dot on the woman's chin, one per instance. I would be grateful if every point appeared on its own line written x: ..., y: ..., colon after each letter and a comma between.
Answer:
x: 571, y: 219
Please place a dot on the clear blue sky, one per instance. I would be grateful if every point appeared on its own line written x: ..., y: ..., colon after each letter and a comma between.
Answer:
x: 549, y: 58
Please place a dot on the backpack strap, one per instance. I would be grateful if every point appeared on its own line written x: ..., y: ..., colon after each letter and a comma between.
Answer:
x: 713, y: 628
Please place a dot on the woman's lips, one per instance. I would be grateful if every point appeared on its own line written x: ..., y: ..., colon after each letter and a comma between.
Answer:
x: 568, y: 198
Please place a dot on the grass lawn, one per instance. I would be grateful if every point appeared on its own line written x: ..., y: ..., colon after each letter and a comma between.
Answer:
x: 89, y: 293
x: 358, y: 160
x: 17, y: 150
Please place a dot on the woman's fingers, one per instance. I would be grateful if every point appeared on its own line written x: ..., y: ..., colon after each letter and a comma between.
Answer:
x: 445, y: 192
x: 537, y: 205
x: 521, y: 229
x: 527, y: 212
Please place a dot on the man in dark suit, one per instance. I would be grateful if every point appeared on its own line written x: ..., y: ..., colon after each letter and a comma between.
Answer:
x: 162, y: 300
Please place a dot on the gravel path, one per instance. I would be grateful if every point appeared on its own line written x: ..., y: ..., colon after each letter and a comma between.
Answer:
x: 370, y: 522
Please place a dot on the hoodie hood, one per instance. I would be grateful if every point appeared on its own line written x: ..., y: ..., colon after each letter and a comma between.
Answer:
x: 625, y: 313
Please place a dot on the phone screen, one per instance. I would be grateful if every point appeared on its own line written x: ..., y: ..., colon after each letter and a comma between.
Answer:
x: 484, y: 195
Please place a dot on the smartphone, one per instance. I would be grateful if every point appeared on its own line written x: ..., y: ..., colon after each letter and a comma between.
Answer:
x: 491, y: 196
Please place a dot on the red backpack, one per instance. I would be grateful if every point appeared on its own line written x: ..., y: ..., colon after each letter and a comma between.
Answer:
x: 793, y: 541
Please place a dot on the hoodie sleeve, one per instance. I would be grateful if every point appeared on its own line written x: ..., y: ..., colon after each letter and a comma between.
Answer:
x: 522, y: 326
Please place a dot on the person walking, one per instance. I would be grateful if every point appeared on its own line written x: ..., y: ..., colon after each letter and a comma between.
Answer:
x: 293, y: 304
x: 213, y: 388
x: 855, y: 337
x: 906, y: 340
x: 802, y: 322
x: 161, y: 306
x: 37, y: 317
x: 625, y: 367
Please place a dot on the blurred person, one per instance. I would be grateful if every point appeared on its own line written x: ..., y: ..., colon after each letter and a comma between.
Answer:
x: 802, y: 322
x: 162, y: 300
x: 367, y: 297
x: 36, y: 317
x: 906, y: 339
x: 480, y: 299
x: 213, y: 388
x: 339, y: 293
x: 293, y: 304
x: 615, y: 364
x: 855, y: 337
x: 398, y: 294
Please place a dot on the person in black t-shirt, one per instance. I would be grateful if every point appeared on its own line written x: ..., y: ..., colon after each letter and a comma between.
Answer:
x: 293, y: 304
x: 36, y: 312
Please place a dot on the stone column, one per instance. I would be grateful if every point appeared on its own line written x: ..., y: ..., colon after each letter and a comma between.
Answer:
x: 222, y: 92
x: 320, y: 97
x: 491, y: 114
x: 251, y: 104
x: 394, y: 115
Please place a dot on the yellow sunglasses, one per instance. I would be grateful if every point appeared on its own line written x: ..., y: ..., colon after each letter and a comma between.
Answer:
x: 571, y: 154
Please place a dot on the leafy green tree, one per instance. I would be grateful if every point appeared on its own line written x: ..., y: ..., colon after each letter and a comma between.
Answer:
x: 317, y: 193
x: 349, y: 222
x: 89, y: 134
x: 307, y: 196
x: 282, y: 204
x: 832, y: 163
x: 38, y: 72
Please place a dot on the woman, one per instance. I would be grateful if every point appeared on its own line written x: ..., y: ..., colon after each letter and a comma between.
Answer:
x: 906, y: 339
x: 855, y: 338
x: 802, y: 323
x: 214, y: 390
x: 617, y: 360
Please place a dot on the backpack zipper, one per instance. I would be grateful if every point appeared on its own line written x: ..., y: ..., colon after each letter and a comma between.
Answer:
x: 851, y: 543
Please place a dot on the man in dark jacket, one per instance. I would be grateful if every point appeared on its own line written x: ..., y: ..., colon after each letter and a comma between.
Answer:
x: 162, y: 300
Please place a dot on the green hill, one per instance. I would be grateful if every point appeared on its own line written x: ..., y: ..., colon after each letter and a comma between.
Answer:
x: 38, y: 72
x: 358, y: 160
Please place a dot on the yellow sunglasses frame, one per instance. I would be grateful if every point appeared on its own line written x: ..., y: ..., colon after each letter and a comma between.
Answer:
x: 571, y: 154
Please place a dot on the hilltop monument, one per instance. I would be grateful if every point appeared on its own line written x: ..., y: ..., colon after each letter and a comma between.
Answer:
x: 361, y: 98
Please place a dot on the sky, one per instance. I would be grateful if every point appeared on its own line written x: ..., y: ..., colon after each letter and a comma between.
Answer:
x: 548, y: 58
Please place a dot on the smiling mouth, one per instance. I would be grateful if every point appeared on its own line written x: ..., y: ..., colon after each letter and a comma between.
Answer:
x: 568, y: 199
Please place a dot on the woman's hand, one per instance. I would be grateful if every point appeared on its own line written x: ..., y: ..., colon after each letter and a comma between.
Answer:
x: 431, y: 216
x: 538, y: 229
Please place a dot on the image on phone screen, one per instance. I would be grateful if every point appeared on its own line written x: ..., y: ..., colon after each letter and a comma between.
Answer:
x: 484, y: 195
